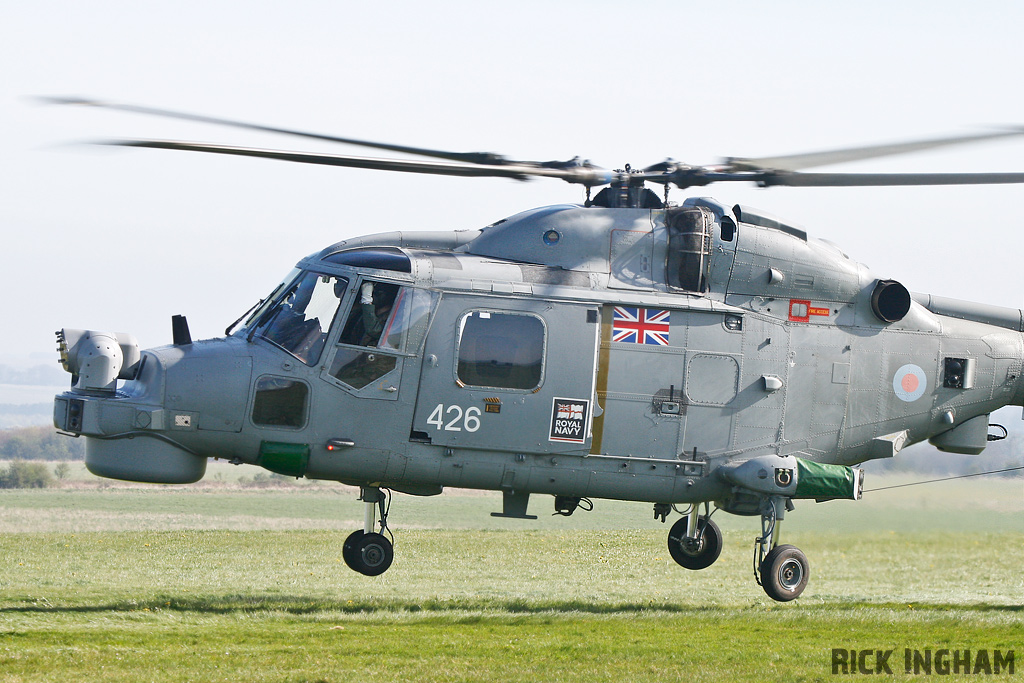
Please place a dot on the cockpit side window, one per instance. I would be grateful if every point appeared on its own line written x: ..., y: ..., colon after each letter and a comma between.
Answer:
x: 689, y: 249
x: 387, y: 322
x: 407, y: 327
x: 299, y: 319
x: 369, y: 314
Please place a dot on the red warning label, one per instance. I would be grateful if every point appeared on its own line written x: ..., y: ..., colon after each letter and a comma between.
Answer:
x: 801, y: 310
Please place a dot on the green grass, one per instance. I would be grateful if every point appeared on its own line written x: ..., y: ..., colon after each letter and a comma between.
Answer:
x: 751, y: 644
x: 184, y: 584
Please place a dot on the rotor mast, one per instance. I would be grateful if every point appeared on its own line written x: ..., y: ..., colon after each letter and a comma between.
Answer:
x: 627, y: 190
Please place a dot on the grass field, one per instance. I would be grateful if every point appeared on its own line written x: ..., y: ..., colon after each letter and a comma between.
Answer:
x: 225, y: 584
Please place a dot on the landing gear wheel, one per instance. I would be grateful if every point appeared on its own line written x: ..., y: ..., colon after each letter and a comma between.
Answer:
x: 698, y: 553
x: 348, y: 552
x: 370, y: 554
x: 784, y: 573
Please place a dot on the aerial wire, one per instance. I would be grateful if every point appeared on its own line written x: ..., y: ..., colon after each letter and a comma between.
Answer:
x: 932, y: 481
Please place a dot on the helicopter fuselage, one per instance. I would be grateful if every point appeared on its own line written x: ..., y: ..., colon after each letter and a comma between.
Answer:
x: 579, y: 352
x: 626, y: 348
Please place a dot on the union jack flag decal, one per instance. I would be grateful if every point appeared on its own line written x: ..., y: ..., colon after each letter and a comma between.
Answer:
x: 640, y: 325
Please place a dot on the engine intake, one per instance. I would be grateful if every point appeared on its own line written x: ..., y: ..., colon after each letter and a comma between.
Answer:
x: 890, y: 301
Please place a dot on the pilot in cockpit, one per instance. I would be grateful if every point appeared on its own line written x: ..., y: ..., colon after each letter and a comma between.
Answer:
x: 375, y: 302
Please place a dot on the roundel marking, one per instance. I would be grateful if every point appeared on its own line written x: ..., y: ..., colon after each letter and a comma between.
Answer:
x: 909, y: 383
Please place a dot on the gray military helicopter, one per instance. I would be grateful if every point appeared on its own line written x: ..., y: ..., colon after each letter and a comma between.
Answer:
x: 626, y: 348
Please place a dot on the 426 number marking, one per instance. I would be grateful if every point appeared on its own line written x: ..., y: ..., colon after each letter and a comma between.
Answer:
x: 454, y: 418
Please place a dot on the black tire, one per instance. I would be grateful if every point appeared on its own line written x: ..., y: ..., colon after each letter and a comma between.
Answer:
x: 784, y: 573
x: 348, y: 551
x: 698, y: 554
x: 372, y: 554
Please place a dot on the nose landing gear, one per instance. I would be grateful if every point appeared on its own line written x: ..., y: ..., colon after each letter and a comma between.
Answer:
x: 366, y: 550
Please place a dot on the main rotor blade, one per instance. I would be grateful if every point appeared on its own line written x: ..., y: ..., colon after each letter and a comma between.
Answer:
x: 581, y: 175
x: 795, y: 162
x: 487, y: 158
x: 770, y: 179
x: 699, y: 177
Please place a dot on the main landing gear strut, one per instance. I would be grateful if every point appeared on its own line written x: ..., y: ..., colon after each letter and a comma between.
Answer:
x: 366, y: 550
x: 695, y: 542
x: 782, y: 570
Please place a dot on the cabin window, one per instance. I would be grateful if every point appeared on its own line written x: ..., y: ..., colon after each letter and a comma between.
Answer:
x: 501, y: 350
x: 280, y: 402
x: 689, y: 249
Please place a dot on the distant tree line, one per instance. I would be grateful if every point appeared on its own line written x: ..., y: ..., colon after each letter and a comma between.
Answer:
x: 22, y: 474
x: 39, y: 443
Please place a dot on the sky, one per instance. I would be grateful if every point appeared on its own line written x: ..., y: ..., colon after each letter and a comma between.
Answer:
x: 122, y: 239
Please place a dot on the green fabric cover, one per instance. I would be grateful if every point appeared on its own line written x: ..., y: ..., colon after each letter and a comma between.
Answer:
x: 289, y: 459
x: 819, y: 480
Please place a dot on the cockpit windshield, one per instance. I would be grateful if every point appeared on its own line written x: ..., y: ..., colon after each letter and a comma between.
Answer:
x: 256, y: 311
x: 297, y: 316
